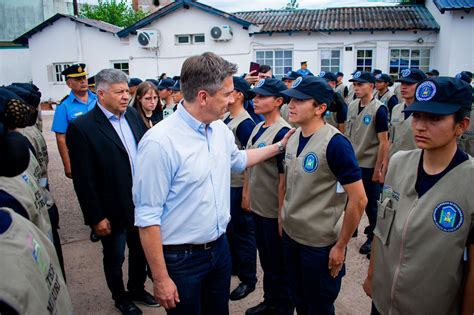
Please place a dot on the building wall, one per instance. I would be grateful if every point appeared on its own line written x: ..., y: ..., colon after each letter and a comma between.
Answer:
x: 17, y: 17
x: 78, y: 44
x: 455, y: 49
x: 15, y: 65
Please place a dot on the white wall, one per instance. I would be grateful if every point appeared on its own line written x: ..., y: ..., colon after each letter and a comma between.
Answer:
x: 455, y: 49
x: 14, y: 65
x: 77, y: 43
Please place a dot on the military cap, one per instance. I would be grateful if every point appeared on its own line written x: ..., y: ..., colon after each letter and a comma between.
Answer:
x: 74, y: 71
x: 411, y: 76
x: 311, y: 87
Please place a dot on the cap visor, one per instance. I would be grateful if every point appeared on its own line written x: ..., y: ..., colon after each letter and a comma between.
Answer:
x: 76, y: 75
x: 406, y: 80
x: 293, y: 93
x: 432, y: 108
x: 359, y: 80
x: 263, y: 92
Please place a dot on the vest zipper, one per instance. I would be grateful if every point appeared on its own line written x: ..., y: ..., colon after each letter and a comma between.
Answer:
x: 397, y: 270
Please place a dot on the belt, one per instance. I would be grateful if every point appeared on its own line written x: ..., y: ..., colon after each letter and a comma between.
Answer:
x: 189, y: 247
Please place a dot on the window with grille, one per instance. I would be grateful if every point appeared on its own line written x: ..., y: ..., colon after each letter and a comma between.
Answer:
x: 401, y: 59
x: 281, y: 61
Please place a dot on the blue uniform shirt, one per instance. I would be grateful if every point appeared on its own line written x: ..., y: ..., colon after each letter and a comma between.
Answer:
x: 70, y: 109
x: 304, y: 72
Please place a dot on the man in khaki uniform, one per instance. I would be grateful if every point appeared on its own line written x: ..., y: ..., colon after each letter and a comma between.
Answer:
x: 422, y: 259
x: 401, y: 135
x: 367, y: 128
x: 320, y: 169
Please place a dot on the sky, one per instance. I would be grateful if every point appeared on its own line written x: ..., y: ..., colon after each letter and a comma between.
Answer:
x: 253, y: 5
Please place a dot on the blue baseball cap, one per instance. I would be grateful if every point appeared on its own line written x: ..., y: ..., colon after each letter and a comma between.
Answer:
x: 466, y: 76
x: 328, y: 76
x: 134, y: 82
x: 383, y: 77
x: 339, y: 74
x: 155, y: 82
x: 411, y: 76
x: 311, y: 87
x: 441, y: 96
x: 176, y: 86
x: 241, y: 85
x: 376, y: 71
x: 363, y: 77
x: 291, y: 75
x: 165, y: 84
x: 268, y: 87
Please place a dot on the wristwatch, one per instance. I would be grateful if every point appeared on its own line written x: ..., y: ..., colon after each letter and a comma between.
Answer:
x: 281, y: 147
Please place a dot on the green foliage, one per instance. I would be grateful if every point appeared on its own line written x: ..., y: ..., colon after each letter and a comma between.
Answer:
x: 292, y: 4
x: 116, y: 12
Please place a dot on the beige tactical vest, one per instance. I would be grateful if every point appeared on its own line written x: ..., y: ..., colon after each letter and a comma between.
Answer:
x: 264, y: 177
x: 401, y: 135
x: 237, y: 179
x: 32, y: 282
x: 284, y: 113
x: 27, y: 192
x: 340, y: 89
x: 385, y: 98
x: 398, y: 91
x: 350, y: 94
x: 34, y: 169
x: 360, y: 129
x: 420, y: 242
x: 313, y: 210
x: 35, y: 137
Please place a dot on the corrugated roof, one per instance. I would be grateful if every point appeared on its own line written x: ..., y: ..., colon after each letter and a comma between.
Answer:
x: 102, y: 26
x: 444, y: 5
x: 401, y: 17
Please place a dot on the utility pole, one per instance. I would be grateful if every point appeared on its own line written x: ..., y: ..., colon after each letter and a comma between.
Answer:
x: 74, y: 8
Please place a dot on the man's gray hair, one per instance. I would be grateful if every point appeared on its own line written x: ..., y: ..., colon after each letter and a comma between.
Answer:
x: 106, y: 77
x: 204, y: 72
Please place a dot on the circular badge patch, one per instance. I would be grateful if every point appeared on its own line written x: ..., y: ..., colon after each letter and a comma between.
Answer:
x: 406, y: 73
x: 357, y: 74
x: 260, y: 83
x: 378, y: 76
x: 458, y: 76
x: 322, y: 74
x: 261, y: 145
x: 367, y: 119
x: 448, y: 216
x: 297, y: 82
x: 310, y: 162
x: 425, y: 91
x: 328, y: 114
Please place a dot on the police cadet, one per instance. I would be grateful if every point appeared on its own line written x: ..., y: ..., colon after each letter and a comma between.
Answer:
x: 466, y: 141
x: 241, y: 228
x: 340, y: 86
x: 321, y: 171
x: 336, y: 113
x: 382, y: 83
x: 367, y: 128
x: 265, y: 188
x: 401, y: 135
x: 288, y: 79
x: 423, y: 256
x: 91, y: 84
x: 79, y: 102
x: 303, y: 71
x: 177, y: 95
x: 166, y: 96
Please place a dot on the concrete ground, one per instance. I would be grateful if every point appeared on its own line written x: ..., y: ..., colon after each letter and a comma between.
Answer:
x: 83, y: 259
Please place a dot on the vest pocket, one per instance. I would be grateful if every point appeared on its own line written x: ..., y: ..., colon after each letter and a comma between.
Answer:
x: 348, y: 128
x: 385, y: 217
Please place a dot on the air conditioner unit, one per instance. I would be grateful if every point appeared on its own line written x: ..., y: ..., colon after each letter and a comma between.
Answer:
x: 148, y: 38
x: 221, y: 33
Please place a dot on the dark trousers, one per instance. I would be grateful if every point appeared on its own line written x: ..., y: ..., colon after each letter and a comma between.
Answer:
x: 202, y: 278
x: 54, y: 218
x: 372, y: 191
x: 241, y: 238
x: 313, y: 289
x: 276, y: 291
x: 114, y: 256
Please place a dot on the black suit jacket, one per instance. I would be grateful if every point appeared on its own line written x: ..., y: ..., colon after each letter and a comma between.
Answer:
x: 100, y: 167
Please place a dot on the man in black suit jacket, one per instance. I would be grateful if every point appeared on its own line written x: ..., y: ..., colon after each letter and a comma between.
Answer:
x: 102, y: 146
